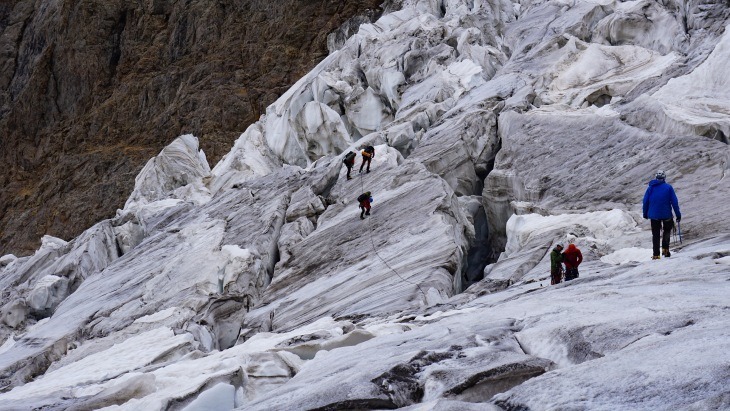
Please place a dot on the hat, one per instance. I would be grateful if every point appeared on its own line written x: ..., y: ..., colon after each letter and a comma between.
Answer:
x: 661, y: 175
x: 559, y: 245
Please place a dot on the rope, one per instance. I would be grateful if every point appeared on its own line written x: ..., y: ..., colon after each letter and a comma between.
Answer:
x: 372, y: 242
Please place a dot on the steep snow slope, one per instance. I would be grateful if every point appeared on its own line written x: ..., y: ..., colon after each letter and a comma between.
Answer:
x: 501, y: 128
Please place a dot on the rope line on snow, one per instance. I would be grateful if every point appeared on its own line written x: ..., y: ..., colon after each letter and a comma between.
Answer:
x: 372, y: 242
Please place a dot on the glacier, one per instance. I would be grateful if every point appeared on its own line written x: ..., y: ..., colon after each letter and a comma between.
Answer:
x: 501, y: 128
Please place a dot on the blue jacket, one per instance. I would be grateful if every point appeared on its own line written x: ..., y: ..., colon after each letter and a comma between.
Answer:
x: 659, y: 200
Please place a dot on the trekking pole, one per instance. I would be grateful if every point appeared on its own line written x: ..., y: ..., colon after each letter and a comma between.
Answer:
x: 679, y: 232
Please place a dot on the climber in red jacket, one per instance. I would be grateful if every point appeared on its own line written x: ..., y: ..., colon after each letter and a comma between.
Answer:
x: 364, y: 200
x: 572, y: 257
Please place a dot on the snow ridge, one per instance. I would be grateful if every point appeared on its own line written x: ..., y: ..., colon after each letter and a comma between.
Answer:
x: 501, y: 127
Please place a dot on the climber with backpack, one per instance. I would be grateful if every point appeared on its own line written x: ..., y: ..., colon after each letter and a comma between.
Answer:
x: 364, y: 199
x: 367, y: 156
x: 659, y: 201
x: 572, y: 257
x: 349, y: 162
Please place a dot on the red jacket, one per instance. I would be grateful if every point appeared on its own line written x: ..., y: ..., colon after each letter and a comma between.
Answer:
x: 572, y: 257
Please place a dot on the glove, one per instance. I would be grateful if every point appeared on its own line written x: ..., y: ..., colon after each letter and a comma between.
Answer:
x: 646, y: 217
x: 679, y: 218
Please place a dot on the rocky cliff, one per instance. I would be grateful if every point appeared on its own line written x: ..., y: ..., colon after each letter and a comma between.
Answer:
x: 89, y: 90
x: 500, y: 128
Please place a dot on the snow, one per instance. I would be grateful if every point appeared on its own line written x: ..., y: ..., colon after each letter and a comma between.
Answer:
x: 723, y: 260
x: 499, y: 127
x: 593, y: 67
x: 627, y: 255
x: 705, y: 92
x: 603, y: 224
x: 50, y: 242
x: 158, y: 316
x: 123, y: 357
x: 176, y: 172
x: 7, y: 259
x: 48, y: 292
x: 9, y: 342
x: 250, y: 157
x: 219, y: 398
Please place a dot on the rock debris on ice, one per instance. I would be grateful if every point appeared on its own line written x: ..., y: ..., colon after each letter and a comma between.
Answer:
x: 501, y: 128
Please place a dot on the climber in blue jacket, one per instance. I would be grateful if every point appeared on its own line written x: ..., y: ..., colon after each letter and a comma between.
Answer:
x: 659, y: 200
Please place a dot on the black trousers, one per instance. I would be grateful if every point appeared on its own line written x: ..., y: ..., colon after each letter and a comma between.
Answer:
x: 364, y: 160
x: 657, y: 226
x: 571, y: 274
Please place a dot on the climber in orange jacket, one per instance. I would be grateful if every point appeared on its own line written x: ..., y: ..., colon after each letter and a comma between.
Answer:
x: 367, y: 156
x: 572, y: 257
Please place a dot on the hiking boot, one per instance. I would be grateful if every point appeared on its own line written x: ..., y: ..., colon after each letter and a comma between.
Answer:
x: 666, y: 253
x: 363, y: 217
x: 655, y: 257
x: 349, y: 178
x: 368, y: 213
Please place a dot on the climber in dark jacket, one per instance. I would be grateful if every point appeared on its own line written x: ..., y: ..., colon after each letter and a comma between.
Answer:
x: 364, y: 199
x: 659, y: 201
x: 556, y: 267
x: 349, y: 162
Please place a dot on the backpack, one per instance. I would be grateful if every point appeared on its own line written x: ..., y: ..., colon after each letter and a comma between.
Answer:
x: 349, y: 158
x: 370, y: 150
x: 363, y: 197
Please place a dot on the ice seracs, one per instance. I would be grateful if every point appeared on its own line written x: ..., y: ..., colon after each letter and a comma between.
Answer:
x: 177, y: 172
x: 499, y: 128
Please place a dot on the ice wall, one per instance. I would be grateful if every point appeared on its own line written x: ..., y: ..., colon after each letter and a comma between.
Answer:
x: 500, y: 128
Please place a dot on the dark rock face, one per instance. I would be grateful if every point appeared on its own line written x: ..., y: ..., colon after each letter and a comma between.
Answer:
x: 89, y: 90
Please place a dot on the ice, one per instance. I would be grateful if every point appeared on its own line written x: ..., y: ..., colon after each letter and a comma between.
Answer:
x: 50, y: 242
x: 705, y: 95
x: 723, y: 260
x: 592, y: 70
x: 9, y: 342
x: 48, y: 292
x: 158, y: 316
x: 219, y: 398
x: 644, y: 23
x: 120, y: 358
x: 602, y: 224
x: 500, y: 129
x: 7, y: 260
x: 176, y: 172
x: 627, y: 255
x: 250, y: 157
x: 321, y: 130
x: 648, y: 369
x: 367, y: 112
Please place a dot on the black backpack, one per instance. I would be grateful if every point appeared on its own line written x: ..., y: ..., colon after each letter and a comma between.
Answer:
x: 363, y: 197
x: 349, y: 158
x: 370, y: 149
